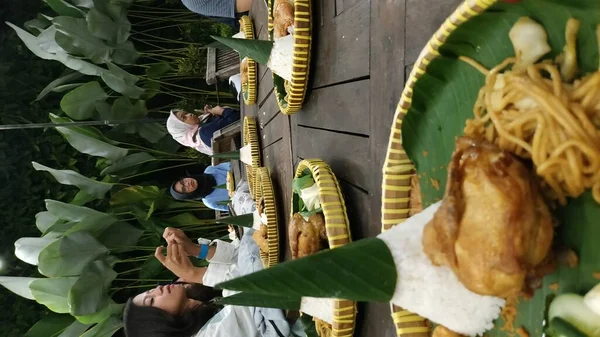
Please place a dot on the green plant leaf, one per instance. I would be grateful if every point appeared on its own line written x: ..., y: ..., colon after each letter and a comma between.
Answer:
x: 53, y: 292
x: 69, y: 255
x: 70, y: 76
x: 152, y: 132
x: 28, y: 249
x: 106, y: 328
x: 261, y: 301
x: 86, y: 130
x: 309, y: 326
x: 136, y: 194
x: 18, y: 285
x: 151, y: 268
x: 122, y: 109
x: 102, y: 315
x: 46, y: 41
x: 82, y: 198
x: 75, y: 329
x: 227, y: 155
x: 62, y: 7
x: 92, y: 146
x: 114, y: 9
x: 158, y: 70
x: 128, y: 161
x: 70, y: 212
x: 152, y: 89
x: 79, y: 103
x: 120, y: 237
x: 188, y: 218
x: 67, y: 87
x: 121, y: 81
x: 258, y: 50
x: 245, y: 220
x: 68, y: 177
x: 37, y: 25
x: 51, y: 325
x: 89, y: 294
x: 83, y: 3
x: 152, y: 225
x: 95, y: 225
x: 301, y: 183
x: 124, y: 53
x: 332, y: 273
x: 31, y: 42
x: 44, y: 220
x: 73, y: 36
x: 102, y: 26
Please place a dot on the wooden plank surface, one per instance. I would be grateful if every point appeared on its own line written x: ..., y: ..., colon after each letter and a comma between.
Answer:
x: 343, y: 107
x: 341, y: 44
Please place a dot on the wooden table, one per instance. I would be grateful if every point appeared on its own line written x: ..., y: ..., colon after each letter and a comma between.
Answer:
x: 362, y: 51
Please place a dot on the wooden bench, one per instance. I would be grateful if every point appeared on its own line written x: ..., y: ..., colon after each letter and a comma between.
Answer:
x: 221, y: 64
x: 225, y: 140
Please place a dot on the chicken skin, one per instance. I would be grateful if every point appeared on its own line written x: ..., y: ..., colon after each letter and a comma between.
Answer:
x: 307, y: 237
x: 493, y: 227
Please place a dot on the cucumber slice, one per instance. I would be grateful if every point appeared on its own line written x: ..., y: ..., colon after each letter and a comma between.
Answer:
x: 571, y: 308
x: 560, y: 328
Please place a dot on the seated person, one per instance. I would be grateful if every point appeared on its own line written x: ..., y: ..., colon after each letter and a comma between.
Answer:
x: 185, y: 310
x: 187, y: 130
x: 202, y: 187
x: 218, y: 8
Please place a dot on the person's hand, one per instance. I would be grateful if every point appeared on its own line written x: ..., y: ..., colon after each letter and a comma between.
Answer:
x: 177, y: 236
x: 178, y: 263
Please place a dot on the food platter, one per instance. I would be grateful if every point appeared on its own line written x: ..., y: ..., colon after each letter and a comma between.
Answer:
x: 250, y: 133
x: 436, y: 102
x: 248, y: 88
x: 337, y: 230
x: 290, y: 99
x: 266, y: 196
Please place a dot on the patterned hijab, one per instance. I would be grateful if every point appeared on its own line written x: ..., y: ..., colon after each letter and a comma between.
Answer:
x: 186, y: 134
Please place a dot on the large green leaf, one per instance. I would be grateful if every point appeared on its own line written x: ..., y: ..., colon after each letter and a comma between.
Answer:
x: 68, y: 177
x: 73, y: 36
x: 123, y: 108
x: 69, y: 255
x: 28, y: 249
x: 83, y: 3
x: 152, y: 132
x: 443, y: 99
x: 124, y: 53
x: 102, y: 315
x: 44, y: 220
x: 79, y: 103
x: 258, y: 50
x: 51, y: 325
x: 120, y: 237
x: 61, y: 7
x: 188, y: 218
x: 136, y: 194
x: 129, y: 161
x: 46, y: 41
x: 86, y: 130
x: 151, y: 268
x: 95, y: 225
x: 74, y: 330
x: 53, y: 292
x: 332, y: 273
x: 103, y: 27
x: 18, y: 285
x: 261, y: 301
x: 71, y: 76
x: 114, y: 9
x: 121, y: 81
x: 37, y: 25
x: 67, y: 87
x: 70, y: 212
x: 92, y: 146
x: 90, y: 293
x: 106, y: 328
x: 31, y: 42
x: 158, y: 70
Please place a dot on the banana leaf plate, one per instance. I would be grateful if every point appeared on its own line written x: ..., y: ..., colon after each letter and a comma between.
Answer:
x: 290, y: 99
x: 338, y: 231
x: 264, y: 186
x: 249, y: 88
x: 250, y: 133
x: 438, y: 98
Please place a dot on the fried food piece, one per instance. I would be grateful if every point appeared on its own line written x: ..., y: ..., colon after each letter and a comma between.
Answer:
x: 323, y: 328
x: 493, y: 227
x: 442, y: 331
x: 283, y: 17
x: 260, y: 237
x: 244, y: 71
x: 307, y: 237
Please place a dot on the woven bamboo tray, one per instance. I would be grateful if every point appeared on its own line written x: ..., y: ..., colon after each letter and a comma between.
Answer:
x: 338, y: 232
x: 249, y: 89
x: 398, y: 169
x: 291, y: 101
x: 264, y: 186
x: 251, y: 137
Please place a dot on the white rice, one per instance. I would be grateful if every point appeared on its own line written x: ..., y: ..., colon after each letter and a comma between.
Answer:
x: 321, y: 308
x: 281, y: 61
x: 240, y: 35
x: 435, y: 292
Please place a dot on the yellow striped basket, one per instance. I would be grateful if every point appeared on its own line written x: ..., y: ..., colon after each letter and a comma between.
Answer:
x: 250, y: 133
x: 291, y: 100
x: 338, y: 232
x: 249, y: 89
x: 398, y: 169
x: 264, y: 186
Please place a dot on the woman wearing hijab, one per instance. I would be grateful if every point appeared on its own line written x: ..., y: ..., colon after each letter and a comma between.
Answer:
x: 204, y: 187
x: 188, y: 130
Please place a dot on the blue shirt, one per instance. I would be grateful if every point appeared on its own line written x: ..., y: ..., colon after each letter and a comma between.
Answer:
x: 220, y: 8
x: 214, y: 199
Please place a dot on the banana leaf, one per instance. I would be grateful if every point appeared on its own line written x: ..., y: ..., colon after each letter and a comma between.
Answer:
x: 105, y: 328
x: 92, y: 146
x: 227, y: 155
x: 258, y: 50
x: 18, y: 285
x: 79, y: 103
x: 69, y: 255
x: 244, y: 220
x: 443, y: 98
x: 50, y: 326
x: 62, y: 7
x: 68, y: 177
x: 69, y: 76
x: 89, y: 294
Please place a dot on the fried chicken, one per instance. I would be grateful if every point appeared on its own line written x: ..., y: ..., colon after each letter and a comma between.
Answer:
x: 307, y: 237
x: 260, y: 237
x: 283, y: 17
x: 493, y: 227
x: 244, y: 71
